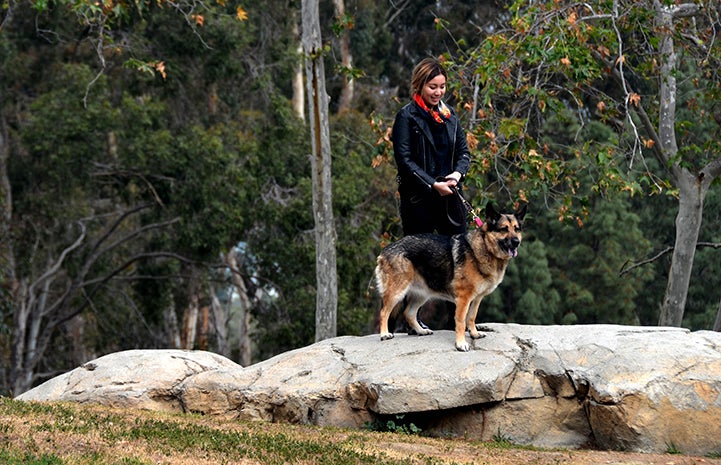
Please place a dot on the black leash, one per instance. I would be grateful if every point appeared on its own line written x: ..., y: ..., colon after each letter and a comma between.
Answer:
x: 468, y: 206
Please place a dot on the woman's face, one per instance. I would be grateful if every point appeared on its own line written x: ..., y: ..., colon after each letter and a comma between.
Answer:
x: 433, y: 91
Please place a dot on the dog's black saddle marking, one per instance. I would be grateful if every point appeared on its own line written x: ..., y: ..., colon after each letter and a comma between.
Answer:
x: 432, y: 256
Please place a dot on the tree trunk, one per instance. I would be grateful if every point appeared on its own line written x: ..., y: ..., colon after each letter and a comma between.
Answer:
x: 298, y: 98
x: 170, y: 325
x: 7, y: 258
x: 717, y: 323
x: 9, y: 286
x: 346, y: 56
x: 8, y: 280
x: 688, y: 225
x: 204, y: 328
x: 245, y: 355
x: 692, y: 188
x: 220, y: 324
x: 325, y: 237
x: 190, y: 314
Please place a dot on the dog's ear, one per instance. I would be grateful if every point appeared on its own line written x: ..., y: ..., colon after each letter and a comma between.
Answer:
x: 521, y: 211
x: 492, y: 216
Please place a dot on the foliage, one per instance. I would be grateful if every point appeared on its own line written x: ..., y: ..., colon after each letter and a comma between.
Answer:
x: 398, y: 424
x: 184, y: 108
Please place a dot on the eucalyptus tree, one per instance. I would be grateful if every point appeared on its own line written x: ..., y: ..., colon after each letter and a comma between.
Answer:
x: 619, y: 63
x: 104, y: 182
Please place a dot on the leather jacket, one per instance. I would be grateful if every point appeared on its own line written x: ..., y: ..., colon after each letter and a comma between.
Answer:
x: 413, y: 149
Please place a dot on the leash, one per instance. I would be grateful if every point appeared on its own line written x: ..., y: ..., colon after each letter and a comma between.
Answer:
x: 468, y: 206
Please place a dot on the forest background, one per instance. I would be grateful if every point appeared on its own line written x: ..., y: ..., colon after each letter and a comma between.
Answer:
x: 156, y: 182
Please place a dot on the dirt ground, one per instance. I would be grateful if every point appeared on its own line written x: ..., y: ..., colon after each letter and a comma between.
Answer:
x: 459, y: 451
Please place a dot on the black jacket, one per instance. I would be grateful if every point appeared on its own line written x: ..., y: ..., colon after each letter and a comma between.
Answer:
x: 413, y: 149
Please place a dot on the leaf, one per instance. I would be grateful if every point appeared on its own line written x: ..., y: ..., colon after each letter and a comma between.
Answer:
x: 160, y: 68
x: 634, y: 99
x: 241, y: 14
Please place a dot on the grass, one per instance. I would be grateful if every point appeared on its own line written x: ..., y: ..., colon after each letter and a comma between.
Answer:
x: 63, y: 434
x: 57, y: 433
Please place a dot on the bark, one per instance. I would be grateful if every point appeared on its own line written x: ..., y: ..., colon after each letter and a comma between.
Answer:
x: 245, y: 354
x: 36, y: 314
x: 170, y: 324
x: 204, y: 328
x: 298, y: 98
x: 325, y: 236
x: 688, y: 226
x: 8, y: 282
x: 346, y: 95
x: 221, y: 318
x: 190, y: 317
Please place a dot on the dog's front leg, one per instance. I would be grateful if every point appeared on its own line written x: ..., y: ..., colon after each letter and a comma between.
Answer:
x: 460, y: 317
x: 471, y: 318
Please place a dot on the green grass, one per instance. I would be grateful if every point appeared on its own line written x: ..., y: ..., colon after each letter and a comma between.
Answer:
x: 45, y: 433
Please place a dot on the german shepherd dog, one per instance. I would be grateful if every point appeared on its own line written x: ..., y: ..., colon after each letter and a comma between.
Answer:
x: 463, y: 269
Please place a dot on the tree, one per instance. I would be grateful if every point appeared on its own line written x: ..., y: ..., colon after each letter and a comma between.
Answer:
x: 103, y: 187
x: 325, y: 236
x: 344, y: 24
x: 617, y: 63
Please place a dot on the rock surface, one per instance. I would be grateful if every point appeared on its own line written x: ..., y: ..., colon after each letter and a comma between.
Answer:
x: 644, y: 389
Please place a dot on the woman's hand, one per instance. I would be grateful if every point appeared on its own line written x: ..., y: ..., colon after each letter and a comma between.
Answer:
x: 446, y: 186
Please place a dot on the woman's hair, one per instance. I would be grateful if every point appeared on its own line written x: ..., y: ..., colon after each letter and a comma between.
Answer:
x: 425, y: 70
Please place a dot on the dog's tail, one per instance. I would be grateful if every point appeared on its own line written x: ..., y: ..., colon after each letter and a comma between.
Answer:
x: 372, y: 285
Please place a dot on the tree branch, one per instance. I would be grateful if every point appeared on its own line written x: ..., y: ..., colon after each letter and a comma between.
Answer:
x: 712, y: 170
x: 56, y: 266
x: 624, y: 269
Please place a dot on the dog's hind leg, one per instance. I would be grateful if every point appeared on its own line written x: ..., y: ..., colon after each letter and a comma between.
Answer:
x: 392, y: 299
x: 389, y: 303
x: 411, y: 314
x: 471, y: 318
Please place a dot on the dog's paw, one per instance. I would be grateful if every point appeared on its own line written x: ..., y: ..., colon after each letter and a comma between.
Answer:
x: 424, y: 332
x: 477, y: 335
x: 463, y: 346
x: 386, y: 336
x: 484, y: 328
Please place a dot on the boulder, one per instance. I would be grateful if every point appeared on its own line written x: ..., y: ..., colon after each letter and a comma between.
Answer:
x: 644, y: 389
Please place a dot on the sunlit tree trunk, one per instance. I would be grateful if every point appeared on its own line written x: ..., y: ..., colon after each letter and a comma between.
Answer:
x: 245, y: 350
x: 170, y: 325
x: 221, y: 318
x: 298, y: 98
x: 190, y: 315
x: 325, y: 236
x: 346, y: 95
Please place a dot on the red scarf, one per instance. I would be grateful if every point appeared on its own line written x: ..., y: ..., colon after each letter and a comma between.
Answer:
x: 436, y: 114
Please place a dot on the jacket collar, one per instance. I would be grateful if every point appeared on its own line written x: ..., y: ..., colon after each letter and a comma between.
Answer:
x: 419, y: 115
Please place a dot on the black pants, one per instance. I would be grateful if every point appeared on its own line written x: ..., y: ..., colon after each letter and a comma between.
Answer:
x: 431, y: 213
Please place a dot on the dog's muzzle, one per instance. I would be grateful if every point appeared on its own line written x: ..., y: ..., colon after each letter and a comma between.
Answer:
x: 510, y: 246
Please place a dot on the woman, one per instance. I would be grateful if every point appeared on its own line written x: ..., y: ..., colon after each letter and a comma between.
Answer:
x: 432, y: 158
x: 431, y: 155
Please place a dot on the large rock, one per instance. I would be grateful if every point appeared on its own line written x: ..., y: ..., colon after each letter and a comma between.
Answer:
x: 616, y: 387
